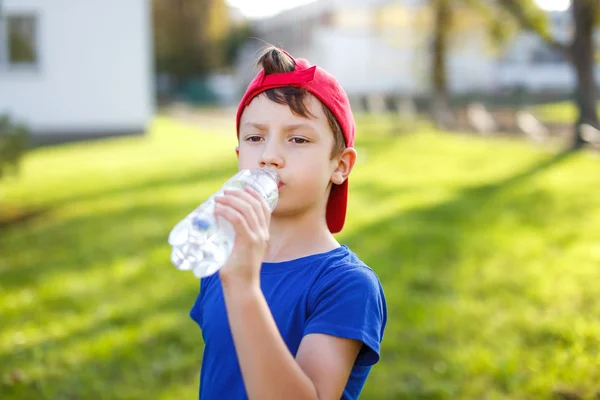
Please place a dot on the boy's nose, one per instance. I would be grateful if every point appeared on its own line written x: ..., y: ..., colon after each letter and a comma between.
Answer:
x: 270, y: 157
x: 270, y: 160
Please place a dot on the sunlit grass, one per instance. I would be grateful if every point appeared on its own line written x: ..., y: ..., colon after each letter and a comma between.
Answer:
x: 561, y: 112
x: 488, y: 252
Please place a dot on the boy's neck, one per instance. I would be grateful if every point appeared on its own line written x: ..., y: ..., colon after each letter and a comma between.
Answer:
x: 297, y: 236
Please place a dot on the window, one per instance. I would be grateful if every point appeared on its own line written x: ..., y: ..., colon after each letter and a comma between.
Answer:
x: 18, y: 40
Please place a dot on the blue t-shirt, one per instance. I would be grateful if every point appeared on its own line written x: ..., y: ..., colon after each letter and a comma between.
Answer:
x: 333, y: 293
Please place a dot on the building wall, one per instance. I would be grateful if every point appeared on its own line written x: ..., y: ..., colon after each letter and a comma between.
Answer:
x: 364, y: 62
x: 94, y: 69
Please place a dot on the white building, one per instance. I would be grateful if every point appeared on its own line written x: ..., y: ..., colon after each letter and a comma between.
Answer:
x: 383, y: 47
x: 72, y: 68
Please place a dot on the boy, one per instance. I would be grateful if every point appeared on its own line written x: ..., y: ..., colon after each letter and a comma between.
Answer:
x: 293, y: 314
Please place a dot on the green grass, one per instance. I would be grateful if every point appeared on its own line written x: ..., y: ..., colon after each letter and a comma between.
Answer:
x: 561, y: 112
x: 489, y: 253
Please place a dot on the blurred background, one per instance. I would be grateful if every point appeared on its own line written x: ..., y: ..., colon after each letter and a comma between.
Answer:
x: 476, y: 196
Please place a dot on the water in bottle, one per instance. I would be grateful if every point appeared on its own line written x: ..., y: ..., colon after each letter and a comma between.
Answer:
x: 202, y: 242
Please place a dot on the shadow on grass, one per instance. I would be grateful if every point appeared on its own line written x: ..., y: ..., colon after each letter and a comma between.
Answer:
x: 490, y: 189
x: 414, y: 253
x: 14, y: 216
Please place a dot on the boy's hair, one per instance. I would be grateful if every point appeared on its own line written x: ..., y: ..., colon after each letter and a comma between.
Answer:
x: 274, y: 61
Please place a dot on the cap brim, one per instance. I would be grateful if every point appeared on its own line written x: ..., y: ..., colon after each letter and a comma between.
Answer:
x: 336, y: 207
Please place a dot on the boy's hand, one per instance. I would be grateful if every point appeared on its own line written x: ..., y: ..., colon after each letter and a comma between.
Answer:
x: 250, y: 217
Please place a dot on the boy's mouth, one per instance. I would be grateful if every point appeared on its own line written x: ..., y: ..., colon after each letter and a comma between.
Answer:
x: 280, y: 185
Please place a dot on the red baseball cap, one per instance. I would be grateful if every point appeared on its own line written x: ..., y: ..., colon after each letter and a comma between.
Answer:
x: 326, y: 88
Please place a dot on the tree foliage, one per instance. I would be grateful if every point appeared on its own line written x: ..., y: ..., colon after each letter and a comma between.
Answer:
x: 13, y: 144
x: 189, y: 36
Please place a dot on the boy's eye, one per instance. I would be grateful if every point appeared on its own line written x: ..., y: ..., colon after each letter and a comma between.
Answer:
x: 299, y: 140
x: 253, y: 139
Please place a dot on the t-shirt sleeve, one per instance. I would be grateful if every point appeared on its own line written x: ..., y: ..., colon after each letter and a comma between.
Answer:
x: 349, y: 303
x: 196, y: 311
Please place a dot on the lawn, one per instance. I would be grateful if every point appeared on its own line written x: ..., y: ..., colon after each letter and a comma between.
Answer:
x: 488, y: 251
x: 561, y: 112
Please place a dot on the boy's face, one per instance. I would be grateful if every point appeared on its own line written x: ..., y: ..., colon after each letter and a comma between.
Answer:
x: 299, y: 148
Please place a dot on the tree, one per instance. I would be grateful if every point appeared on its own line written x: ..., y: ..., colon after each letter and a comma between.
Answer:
x: 189, y: 36
x: 442, y: 24
x: 579, y: 52
x: 14, y: 137
x: 13, y: 144
x: 450, y: 16
x: 235, y: 40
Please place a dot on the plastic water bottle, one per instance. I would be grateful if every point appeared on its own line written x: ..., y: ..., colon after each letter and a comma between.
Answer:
x: 203, y: 243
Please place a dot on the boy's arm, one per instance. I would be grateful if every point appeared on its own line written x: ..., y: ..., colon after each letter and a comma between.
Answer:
x: 268, y: 368
x: 320, y: 370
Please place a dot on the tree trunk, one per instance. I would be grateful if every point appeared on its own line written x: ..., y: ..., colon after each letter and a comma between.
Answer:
x: 582, y: 51
x: 440, y: 106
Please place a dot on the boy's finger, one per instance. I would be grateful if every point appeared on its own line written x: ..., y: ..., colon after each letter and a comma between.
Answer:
x: 236, y: 219
x: 243, y: 206
x: 265, y: 211
x: 254, y: 200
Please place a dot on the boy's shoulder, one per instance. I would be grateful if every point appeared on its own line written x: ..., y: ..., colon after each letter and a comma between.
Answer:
x: 346, y: 299
x: 344, y: 259
x: 344, y: 267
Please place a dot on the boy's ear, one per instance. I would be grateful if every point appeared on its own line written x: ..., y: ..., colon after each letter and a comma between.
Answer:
x: 345, y: 163
x: 237, y: 151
